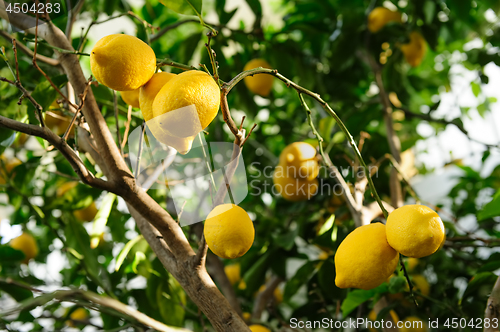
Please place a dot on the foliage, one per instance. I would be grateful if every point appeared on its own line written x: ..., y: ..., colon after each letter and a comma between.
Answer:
x: 325, y: 47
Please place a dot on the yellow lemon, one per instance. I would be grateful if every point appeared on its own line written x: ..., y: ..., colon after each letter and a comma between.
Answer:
x: 147, y: 96
x: 380, y: 16
x: 412, y: 263
x: 364, y: 259
x: 260, y: 84
x: 148, y: 92
x: 258, y: 328
x: 7, y: 167
x: 413, y: 324
x: 229, y: 231
x: 294, y: 190
x: 415, y: 230
x: 415, y: 50
x: 187, y: 103
x: 27, y: 244
x: 233, y: 273
x: 86, y: 214
x: 373, y: 317
x: 246, y: 316
x: 131, y: 97
x: 122, y: 62
x: 299, y: 160
x: 421, y: 284
x: 79, y: 315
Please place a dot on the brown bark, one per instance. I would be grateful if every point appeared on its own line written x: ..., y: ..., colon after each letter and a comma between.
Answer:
x: 493, y: 307
x: 174, y: 252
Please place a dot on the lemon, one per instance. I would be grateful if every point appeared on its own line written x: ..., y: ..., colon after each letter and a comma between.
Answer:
x: 7, y: 167
x: 294, y: 190
x: 260, y: 84
x: 131, y: 97
x: 148, y: 92
x: 414, y: 324
x: 421, y: 284
x: 364, y: 259
x: 412, y: 263
x: 229, y: 231
x: 86, y: 214
x: 246, y: 316
x: 380, y: 16
x: 187, y: 103
x: 415, y: 50
x: 233, y: 273
x: 147, y: 96
x: 79, y: 314
x: 299, y: 160
x: 122, y: 62
x: 27, y: 244
x: 373, y: 317
x: 258, y: 328
x: 415, y: 230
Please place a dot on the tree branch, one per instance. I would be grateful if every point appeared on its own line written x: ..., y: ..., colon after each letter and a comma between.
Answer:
x: 27, y: 51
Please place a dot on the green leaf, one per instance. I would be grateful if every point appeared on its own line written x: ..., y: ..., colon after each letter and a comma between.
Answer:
x: 7, y: 137
x: 18, y: 293
x: 10, y: 254
x: 327, y: 225
x: 45, y: 95
x: 491, y: 209
x: 479, y: 280
x: 256, y: 275
x: 101, y: 219
x: 355, y: 298
x: 287, y: 240
x: 171, y: 301
x: 326, y: 275
x: 325, y: 127
x: 301, y: 277
x: 476, y: 88
x: 429, y: 11
x: 125, y: 251
x: 185, y: 7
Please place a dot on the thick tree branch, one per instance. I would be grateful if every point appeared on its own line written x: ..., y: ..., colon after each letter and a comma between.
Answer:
x: 493, y: 307
x: 60, y: 144
x: 263, y: 297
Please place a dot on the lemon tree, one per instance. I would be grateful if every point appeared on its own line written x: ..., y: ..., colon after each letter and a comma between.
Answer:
x: 312, y: 96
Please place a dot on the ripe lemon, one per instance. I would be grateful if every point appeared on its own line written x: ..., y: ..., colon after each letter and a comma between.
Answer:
x: 229, y: 231
x: 414, y: 324
x: 131, y: 97
x: 415, y: 50
x: 246, y: 316
x: 380, y: 16
x: 7, y: 167
x: 421, y: 284
x: 233, y: 273
x: 79, y: 314
x: 412, y: 263
x: 415, y: 230
x: 260, y: 84
x: 147, y: 96
x: 293, y: 189
x: 187, y: 103
x: 299, y: 160
x: 86, y: 214
x: 258, y: 328
x: 122, y: 62
x: 364, y: 259
x: 148, y: 92
x: 27, y: 244
x: 373, y: 317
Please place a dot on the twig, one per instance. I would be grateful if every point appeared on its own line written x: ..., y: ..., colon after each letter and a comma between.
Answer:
x: 168, y: 62
x: 166, y: 29
x: 72, y: 16
x: 396, y: 165
x: 127, y: 126
x: 263, y: 297
x: 15, y: 58
x: 82, y: 102
x: 139, y: 152
x: 26, y: 50
x: 212, y: 55
x: 228, y: 86
x: 118, y: 135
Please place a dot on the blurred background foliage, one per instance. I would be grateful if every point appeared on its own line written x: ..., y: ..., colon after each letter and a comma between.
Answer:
x: 321, y: 45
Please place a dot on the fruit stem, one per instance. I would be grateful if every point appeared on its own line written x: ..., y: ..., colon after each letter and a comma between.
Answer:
x: 212, y: 55
x: 168, y: 62
x: 410, y: 284
x: 228, y: 86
